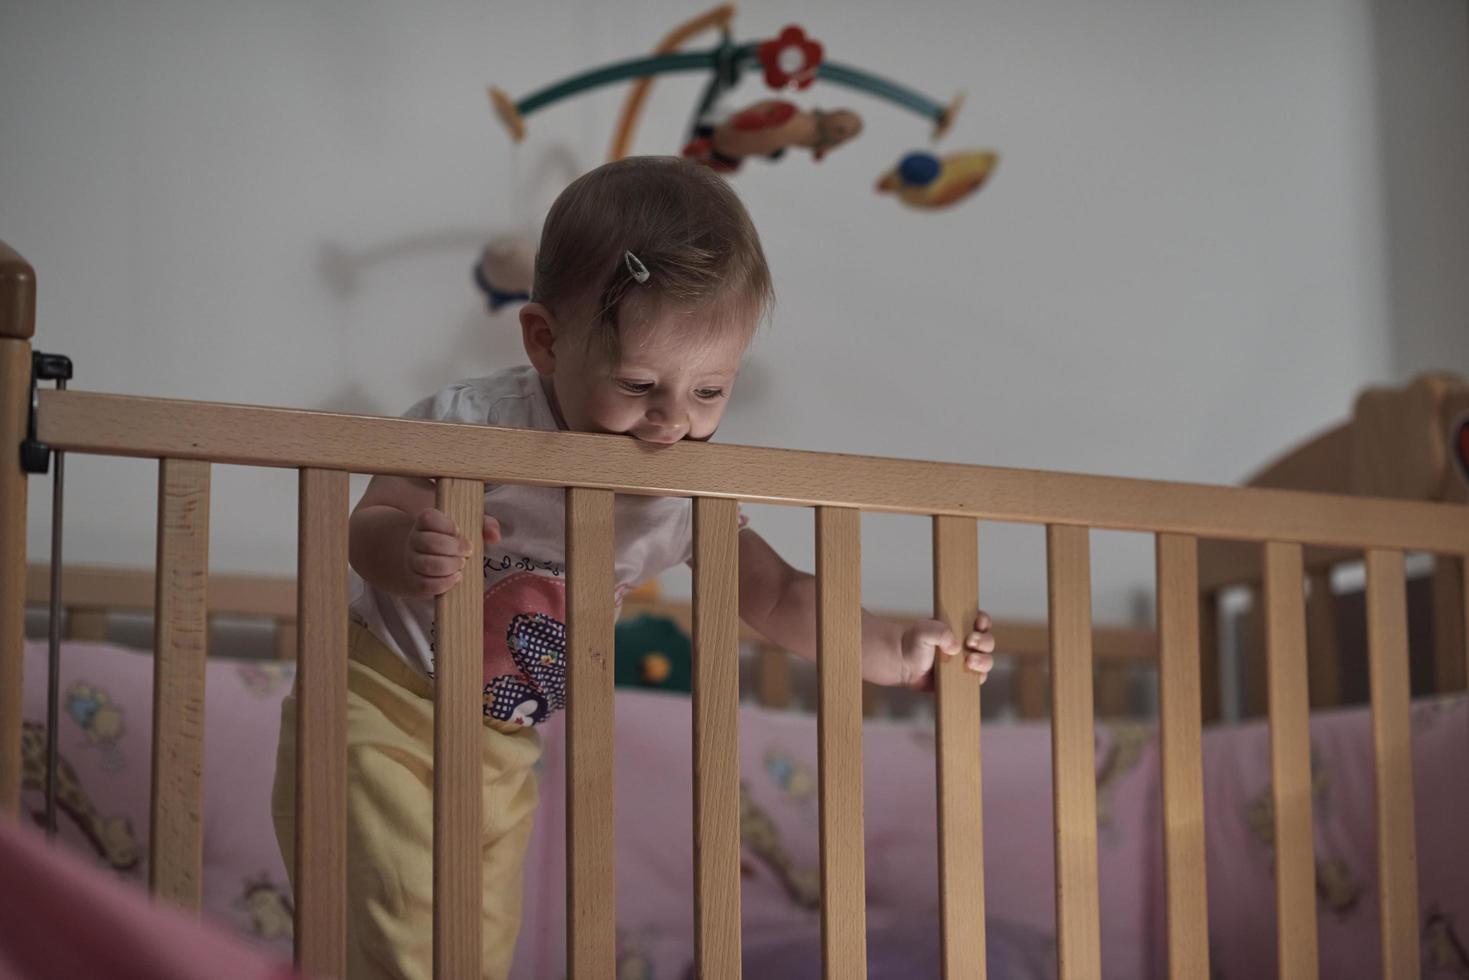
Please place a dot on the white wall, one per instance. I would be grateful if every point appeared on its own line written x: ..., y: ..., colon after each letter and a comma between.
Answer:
x: 1187, y: 260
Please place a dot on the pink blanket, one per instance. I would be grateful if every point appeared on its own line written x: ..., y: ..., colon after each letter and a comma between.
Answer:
x: 106, y: 722
x: 781, y: 928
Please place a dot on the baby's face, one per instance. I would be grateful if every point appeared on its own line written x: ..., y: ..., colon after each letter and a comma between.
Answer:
x: 664, y: 387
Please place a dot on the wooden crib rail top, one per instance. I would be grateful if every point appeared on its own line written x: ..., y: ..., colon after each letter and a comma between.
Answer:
x: 167, y: 428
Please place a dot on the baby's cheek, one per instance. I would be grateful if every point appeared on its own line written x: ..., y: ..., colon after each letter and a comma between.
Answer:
x: 704, y: 421
x: 611, y: 413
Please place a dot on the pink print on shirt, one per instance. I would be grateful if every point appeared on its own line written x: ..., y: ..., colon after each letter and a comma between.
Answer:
x: 525, y: 648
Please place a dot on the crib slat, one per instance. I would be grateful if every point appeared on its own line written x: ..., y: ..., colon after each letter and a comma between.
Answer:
x: 961, y: 832
x: 286, y: 641
x: 1114, y: 689
x: 1463, y: 561
x: 1290, y: 759
x: 458, y: 741
x: 1183, y: 767
x: 1209, y: 655
x: 1323, y: 650
x: 1073, y: 751
x: 1397, y: 859
x: 180, y: 638
x: 591, y: 925
x: 17, y: 325
x: 773, y: 677
x: 839, y: 741
x: 716, y: 738
x: 1030, y: 688
x: 321, y: 725
x: 86, y: 623
x: 1450, y: 629
x: 1255, y: 696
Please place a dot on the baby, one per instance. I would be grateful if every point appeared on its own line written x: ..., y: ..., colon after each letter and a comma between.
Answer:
x: 649, y: 284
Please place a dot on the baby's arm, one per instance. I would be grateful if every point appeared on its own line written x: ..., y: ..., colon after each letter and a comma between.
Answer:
x: 780, y: 603
x: 399, y: 542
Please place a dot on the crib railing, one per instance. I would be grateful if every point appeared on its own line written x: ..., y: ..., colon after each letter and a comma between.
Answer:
x: 189, y: 436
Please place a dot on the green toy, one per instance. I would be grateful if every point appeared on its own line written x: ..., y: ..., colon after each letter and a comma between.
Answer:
x: 654, y: 654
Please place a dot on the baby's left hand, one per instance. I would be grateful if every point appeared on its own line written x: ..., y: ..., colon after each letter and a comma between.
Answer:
x: 925, y: 640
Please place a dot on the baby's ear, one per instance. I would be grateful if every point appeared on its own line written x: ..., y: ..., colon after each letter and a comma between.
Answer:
x: 538, y: 333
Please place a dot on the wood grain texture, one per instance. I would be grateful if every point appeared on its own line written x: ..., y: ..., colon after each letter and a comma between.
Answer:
x: 85, y: 623
x: 1032, y: 689
x: 591, y: 912
x: 1392, y: 742
x: 1450, y: 635
x: 15, y: 379
x: 119, y: 589
x: 716, y: 708
x: 839, y: 742
x: 1209, y: 678
x: 1290, y: 759
x: 957, y: 697
x: 1073, y: 752
x: 1113, y: 691
x: 458, y: 741
x: 181, y: 634
x: 1180, y: 721
x: 17, y: 298
x: 773, y: 677
x: 285, y: 638
x: 1323, y: 647
x: 1255, y: 695
x: 321, y: 725
x: 129, y: 426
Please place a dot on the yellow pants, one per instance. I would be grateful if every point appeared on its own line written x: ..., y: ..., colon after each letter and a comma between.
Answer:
x: 390, y: 779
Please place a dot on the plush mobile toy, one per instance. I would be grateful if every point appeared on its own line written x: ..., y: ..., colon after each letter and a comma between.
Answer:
x: 504, y: 272
x: 766, y: 128
x: 922, y: 180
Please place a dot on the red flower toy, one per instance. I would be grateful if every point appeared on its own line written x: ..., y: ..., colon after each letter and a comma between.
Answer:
x: 790, y: 58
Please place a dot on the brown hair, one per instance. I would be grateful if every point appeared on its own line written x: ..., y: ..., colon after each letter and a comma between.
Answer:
x: 683, y: 224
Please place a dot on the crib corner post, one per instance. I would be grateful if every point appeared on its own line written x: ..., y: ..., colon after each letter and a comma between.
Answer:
x: 17, y: 325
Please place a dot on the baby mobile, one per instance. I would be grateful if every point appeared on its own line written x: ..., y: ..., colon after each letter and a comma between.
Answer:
x: 723, y: 139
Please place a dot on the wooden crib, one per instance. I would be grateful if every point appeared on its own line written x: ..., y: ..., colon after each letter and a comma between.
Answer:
x: 100, y: 601
x: 187, y: 437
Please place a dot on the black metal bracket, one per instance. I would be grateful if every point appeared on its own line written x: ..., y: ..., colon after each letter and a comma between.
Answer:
x: 35, y: 456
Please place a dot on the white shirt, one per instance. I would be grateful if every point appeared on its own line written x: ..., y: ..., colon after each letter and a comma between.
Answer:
x: 524, y: 572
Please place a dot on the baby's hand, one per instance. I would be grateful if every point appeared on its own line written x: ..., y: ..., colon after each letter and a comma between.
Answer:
x: 924, y: 640
x: 435, y: 551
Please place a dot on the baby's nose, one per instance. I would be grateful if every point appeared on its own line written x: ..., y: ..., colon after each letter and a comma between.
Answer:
x: 666, y: 417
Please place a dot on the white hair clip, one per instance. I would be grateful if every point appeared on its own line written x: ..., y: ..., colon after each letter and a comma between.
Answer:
x: 636, y: 268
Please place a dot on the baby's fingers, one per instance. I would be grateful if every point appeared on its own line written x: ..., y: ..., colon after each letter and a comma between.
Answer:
x: 437, y: 544
x: 432, y: 519
x: 979, y: 663
x: 431, y: 587
x: 934, y: 635
x: 434, y: 566
x: 980, y: 642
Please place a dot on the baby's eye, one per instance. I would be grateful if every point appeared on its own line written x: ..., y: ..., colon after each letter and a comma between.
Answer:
x: 709, y: 394
x: 635, y: 387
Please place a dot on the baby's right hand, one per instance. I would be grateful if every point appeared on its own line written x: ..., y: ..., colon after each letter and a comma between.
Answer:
x: 435, y: 551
